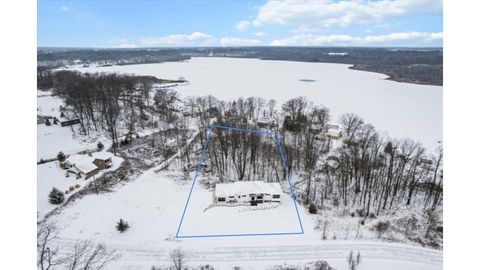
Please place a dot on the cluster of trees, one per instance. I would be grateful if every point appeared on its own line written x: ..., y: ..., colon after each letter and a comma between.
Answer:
x: 376, y: 172
x: 85, y: 255
x: 109, y: 102
x: 54, y: 57
x: 367, y: 170
x: 364, y: 170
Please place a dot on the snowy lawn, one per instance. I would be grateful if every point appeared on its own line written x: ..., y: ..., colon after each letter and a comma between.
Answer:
x: 50, y: 175
x: 55, y: 138
x: 153, y: 205
x: 221, y: 220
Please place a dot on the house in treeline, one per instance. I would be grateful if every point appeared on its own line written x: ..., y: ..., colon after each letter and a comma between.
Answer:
x: 316, y: 128
x: 82, y: 165
x: 247, y: 193
x: 266, y: 123
x: 333, y: 132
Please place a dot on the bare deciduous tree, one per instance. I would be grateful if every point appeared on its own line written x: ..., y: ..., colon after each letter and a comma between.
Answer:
x: 47, y: 254
x: 178, y: 258
x: 85, y: 255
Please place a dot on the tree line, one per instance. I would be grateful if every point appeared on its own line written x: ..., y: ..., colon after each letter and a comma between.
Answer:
x: 363, y: 169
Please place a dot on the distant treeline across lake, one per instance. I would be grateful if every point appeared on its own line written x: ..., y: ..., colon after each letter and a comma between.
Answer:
x: 412, y: 65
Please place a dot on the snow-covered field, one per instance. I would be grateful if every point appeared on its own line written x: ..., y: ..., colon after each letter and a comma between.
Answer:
x: 50, y: 175
x: 201, y: 220
x: 55, y: 138
x: 401, y: 109
x: 153, y: 205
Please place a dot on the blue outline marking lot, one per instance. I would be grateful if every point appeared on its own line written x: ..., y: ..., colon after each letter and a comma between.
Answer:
x: 197, y: 169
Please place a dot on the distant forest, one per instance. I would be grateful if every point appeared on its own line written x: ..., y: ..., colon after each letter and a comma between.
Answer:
x: 412, y: 65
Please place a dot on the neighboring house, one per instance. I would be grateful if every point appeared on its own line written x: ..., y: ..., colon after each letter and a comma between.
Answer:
x: 334, y: 133
x: 333, y: 126
x: 265, y: 123
x: 103, y: 160
x: 83, y: 165
x: 247, y: 192
x: 316, y: 128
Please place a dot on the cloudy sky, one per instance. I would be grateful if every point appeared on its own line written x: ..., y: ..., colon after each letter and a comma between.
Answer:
x: 169, y: 23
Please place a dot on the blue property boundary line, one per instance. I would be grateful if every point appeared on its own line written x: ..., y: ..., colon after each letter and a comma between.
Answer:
x: 289, y: 180
x: 202, y: 157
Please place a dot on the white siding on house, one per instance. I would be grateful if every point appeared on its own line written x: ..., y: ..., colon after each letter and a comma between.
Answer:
x: 244, y: 192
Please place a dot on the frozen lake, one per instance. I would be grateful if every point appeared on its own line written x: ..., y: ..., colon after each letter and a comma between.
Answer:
x: 400, y: 109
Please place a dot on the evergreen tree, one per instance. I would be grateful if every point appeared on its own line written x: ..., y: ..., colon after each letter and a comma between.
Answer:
x: 122, y: 226
x: 100, y: 145
x: 61, y: 156
x: 56, y: 196
x: 47, y: 122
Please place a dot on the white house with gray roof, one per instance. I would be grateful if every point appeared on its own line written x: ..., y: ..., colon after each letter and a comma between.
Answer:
x: 247, y: 192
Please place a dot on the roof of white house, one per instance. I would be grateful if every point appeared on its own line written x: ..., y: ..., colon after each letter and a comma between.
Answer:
x: 84, y: 163
x: 265, y: 121
x: 334, y: 132
x: 102, y: 155
x: 246, y: 187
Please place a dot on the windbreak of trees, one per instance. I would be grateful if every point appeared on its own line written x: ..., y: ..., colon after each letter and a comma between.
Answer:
x: 106, y: 102
x: 364, y: 169
x: 247, y: 156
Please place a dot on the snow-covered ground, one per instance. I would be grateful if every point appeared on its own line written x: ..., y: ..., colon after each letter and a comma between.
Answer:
x: 228, y: 220
x: 401, y: 109
x: 153, y: 205
x: 55, y: 138
x: 50, y: 175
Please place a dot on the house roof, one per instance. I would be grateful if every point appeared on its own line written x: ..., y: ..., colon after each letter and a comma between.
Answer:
x: 334, y: 132
x: 84, y: 163
x: 246, y: 187
x: 102, y: 155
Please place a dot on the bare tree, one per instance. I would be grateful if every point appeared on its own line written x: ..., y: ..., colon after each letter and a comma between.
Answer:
x: 47, y: 254
x: 86, y: 255
x: 178, y: 258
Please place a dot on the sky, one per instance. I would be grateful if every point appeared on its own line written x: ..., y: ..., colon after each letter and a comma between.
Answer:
x: 223, y: 23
